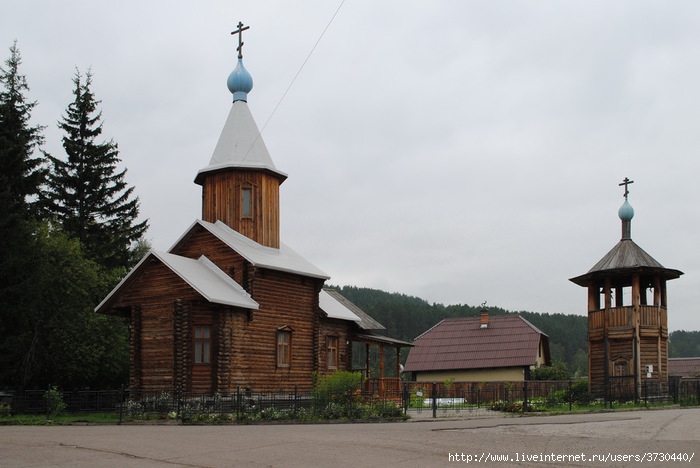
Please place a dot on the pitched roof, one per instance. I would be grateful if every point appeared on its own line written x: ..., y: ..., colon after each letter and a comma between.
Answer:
x: 202, y: 275
x: 335, y: 305
x: 684, y: 367
x: 625, y: 256
x: 461, y: 343
x: 240, y: 145
x: 282, y: 259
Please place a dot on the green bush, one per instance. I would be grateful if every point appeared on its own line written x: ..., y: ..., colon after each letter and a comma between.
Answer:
x: 580, y: 393
x: 337, y: 395
x: 557, y: 371
x: 55, y: 406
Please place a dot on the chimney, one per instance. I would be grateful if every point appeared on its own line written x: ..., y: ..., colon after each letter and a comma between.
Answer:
x: 484, y: 319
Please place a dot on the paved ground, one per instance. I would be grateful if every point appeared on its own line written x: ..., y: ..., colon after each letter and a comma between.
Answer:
x: 419, y: 443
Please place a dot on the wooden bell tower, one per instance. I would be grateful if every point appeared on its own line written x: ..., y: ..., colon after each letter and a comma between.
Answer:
x: 240, y: 186
x: 627, y: 317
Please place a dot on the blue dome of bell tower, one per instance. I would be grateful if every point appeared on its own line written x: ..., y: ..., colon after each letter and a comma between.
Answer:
x: 626, y: 212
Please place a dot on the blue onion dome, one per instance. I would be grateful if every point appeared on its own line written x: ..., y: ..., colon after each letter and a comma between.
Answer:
x: 626, y: 212
x: 240, y: 82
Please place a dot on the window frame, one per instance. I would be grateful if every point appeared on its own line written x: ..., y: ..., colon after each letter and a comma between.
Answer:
x: 283, y: 349
x: 332, y: 352
x: 202, y: 345
x: 246, y: 201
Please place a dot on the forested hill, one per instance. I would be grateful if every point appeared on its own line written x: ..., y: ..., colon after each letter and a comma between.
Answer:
x: 406, y: 317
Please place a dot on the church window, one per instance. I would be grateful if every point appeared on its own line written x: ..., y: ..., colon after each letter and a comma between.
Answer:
x: 202, y: 345
x: 621, y: 368
x: 332, y: 351
x: 247, y: 202
x: 284, y: 348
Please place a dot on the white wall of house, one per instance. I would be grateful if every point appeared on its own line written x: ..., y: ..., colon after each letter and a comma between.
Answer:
x: 474, y: 375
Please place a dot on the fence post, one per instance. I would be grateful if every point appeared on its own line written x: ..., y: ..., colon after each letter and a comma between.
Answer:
x: 434, y: 402
x: 646, y: 392
x: 296, y: 396
x: 405, y: 398
x: 48, y: 402
x: 525, y: 396
x: 178, y: 405
x: 571, y: 397
x: 121, y: 403
x: 238, y: 403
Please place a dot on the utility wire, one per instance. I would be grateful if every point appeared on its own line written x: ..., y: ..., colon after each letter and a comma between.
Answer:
x: 293, y: 80
x: 302, y: 66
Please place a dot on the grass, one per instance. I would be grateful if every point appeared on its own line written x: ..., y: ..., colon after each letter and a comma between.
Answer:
x: 42, y: 420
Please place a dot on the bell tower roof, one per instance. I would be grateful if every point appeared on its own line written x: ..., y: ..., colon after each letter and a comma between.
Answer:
x: 626, y: 256
x: 240, y: 144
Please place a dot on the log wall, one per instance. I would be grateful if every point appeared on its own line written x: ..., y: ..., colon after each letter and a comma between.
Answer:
x: 164, y: 310
x: 222, y: 200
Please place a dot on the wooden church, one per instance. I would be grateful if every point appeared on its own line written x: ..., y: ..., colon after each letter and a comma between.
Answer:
x: 229, y: 305
x: 627, y: 317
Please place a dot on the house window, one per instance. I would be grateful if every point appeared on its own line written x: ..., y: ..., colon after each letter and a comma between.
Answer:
x: 202, y: 345
x: 284, y: 348
x: 247, y: 202
x: 332, y: 348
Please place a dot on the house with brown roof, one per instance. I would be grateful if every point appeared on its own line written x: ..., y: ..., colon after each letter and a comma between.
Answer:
x: 688, y: 367
x: 499, y: 348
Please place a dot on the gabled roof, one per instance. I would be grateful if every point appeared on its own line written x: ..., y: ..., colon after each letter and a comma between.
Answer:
x: 240, y: 145
x: 202, y: 275
x: 624, y: 257
x: 461, y: 343
x: 336, y: 306
x: 684, y: 367
x: 282, y: 259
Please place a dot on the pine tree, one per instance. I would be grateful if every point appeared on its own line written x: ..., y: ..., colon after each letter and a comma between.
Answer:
x: 21, y: 174
x: 86, y: 193
x: 21, y: 177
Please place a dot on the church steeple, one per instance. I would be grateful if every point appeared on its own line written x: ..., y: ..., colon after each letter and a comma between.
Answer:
x: 240, y: 186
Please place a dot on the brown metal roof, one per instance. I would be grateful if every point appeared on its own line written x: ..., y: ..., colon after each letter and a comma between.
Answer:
x: 624, y: 257
x: 461, y: 343
x: 684, y: 367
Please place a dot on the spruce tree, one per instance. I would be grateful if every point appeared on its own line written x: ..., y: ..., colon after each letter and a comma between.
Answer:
x: 86, y: 193
x: 21, y: 176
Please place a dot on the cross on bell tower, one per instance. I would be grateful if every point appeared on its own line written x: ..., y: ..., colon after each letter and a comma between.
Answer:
x: 626, y: 182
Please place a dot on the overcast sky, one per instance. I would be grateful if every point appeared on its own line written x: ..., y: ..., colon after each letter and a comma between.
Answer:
x: 458, y: 151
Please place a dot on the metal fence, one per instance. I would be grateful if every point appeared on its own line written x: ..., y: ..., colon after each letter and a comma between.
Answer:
x: 415, y: 399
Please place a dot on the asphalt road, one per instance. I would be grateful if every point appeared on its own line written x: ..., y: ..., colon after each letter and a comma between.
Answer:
x: 577, y: 439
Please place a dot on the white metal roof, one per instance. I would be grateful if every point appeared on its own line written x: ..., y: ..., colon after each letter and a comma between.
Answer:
x: 202, y: 275
x: 334, y: 309
x: 282, y: 259
x: 240, y: 144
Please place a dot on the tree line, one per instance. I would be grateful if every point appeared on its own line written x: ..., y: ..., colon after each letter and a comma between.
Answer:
x: 406, y: 317
x: 69, y: 230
